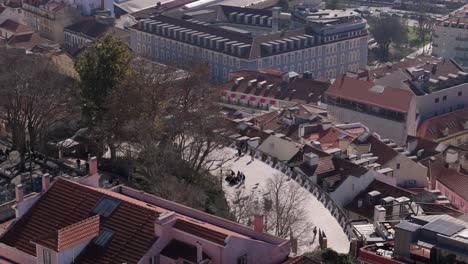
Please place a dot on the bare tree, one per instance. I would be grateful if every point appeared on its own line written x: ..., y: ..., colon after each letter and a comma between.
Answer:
x: 282, y: 202
x: 35, y: 97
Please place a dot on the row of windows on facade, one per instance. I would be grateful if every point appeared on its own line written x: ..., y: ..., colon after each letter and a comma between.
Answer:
x: 332, y: 48
x: 461, y: 205
x: 459, y: 106
x: 353, y: 56
x: 444, y: 98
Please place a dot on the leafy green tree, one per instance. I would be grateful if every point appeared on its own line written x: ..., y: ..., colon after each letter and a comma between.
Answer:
x: 102, y: 68
x: 387, y: 30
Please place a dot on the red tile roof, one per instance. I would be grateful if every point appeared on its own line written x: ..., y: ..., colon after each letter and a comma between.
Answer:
x: 72, y: 235
x: 14, y: 26
x: 379, y: 149
x: 444, y: 67
x: 394, y: 99
x: 433, y: 128
x: 297, y: 90
x: 29, y: 40
x: 67, y: 203
x: 456, y: 182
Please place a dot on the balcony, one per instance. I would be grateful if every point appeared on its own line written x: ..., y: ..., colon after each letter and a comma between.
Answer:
x: 461, y: 39
x: 461, y: 48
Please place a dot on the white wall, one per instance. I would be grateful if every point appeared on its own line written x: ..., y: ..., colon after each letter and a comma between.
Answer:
x: 409, y: 170
x: 351, y: 187
x: 68, y: 256
x: 385, y: 128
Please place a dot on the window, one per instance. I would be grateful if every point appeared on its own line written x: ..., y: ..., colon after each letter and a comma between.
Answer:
x: 46, y: 255
x: 154, y: 260
x: 242, y: 259
x: 459, y: 93
x: 398, y: 166
x: 446, y: 193
x: 436, y: 100
x: 462, y: 204
x: 444, y: 98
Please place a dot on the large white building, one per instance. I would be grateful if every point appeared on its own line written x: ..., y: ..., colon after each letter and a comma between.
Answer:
x: 326, y: 43
x: 450, y: 37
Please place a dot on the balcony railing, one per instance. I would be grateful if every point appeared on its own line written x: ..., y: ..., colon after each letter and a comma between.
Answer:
x: 461, y: 39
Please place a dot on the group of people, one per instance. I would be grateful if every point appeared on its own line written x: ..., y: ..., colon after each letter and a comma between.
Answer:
x: 234, y: 179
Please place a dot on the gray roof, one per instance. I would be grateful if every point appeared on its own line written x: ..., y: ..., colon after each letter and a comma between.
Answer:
x: 443, y: 227
x: 408, y: 226
x: 278, y: 148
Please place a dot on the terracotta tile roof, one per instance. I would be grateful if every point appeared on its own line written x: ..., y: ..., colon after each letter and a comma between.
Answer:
x: 29, y: 40
x: 452, y: 123
x: 297, y: 89
x: 67, y: 203
x: 455, y: 181
x: 14, y: 26
x: 71, y: 235
x: 394, y: 99
x: 330, y: 138
x: 456, y: 17
x: 378, y: 148
x: 367, y: 209
x: 200, y: 231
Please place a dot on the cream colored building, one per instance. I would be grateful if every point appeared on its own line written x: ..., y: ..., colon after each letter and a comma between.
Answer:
x: 51, y: 19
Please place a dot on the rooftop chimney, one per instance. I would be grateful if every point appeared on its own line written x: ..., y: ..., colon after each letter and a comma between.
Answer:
x: 93, y: 166
x: 379, y: 213
x: 19, y: 192
x: 311, y: 159
x: 275, y: 21
x: 199, y: 252
x: 258, y: 223
x: 45, y: 182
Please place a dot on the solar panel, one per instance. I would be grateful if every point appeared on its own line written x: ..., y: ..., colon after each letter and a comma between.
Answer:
x: 106, y: 206
x: 408, y: 226
x: 104, y: 237
x: 443, y: 227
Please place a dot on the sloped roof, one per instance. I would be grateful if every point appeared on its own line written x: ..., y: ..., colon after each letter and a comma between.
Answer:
x: 433, y: 128
x: 278, y: 148
x: 94, y: 29
x: 455, y: 181
x: 71, y: 235
x: 14, y: 26
x: 297, y: 90
x: 379, y: 149
x: 394, y: 99
x: 67, y: 203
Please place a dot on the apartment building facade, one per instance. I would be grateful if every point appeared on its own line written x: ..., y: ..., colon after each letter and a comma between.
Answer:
x: 51, y: 19
x: 230, y: 38
x: 450, y: 37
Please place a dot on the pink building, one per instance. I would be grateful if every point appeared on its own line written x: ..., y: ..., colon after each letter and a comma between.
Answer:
x: 454, y: 186
x: 75, y: 221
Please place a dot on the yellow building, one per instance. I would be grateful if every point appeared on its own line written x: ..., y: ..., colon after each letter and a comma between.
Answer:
x: 451, y: 128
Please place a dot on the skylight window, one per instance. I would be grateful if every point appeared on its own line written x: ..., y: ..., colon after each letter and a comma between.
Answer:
x: 106, y: 206
x: 104, y: 237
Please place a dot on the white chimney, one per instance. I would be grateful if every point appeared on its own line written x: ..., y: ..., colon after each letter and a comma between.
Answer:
x: 379, y: 213
x: 311, y: 159
x: 359, y: 203
x: 451, y: 156
x: 45, y: 182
